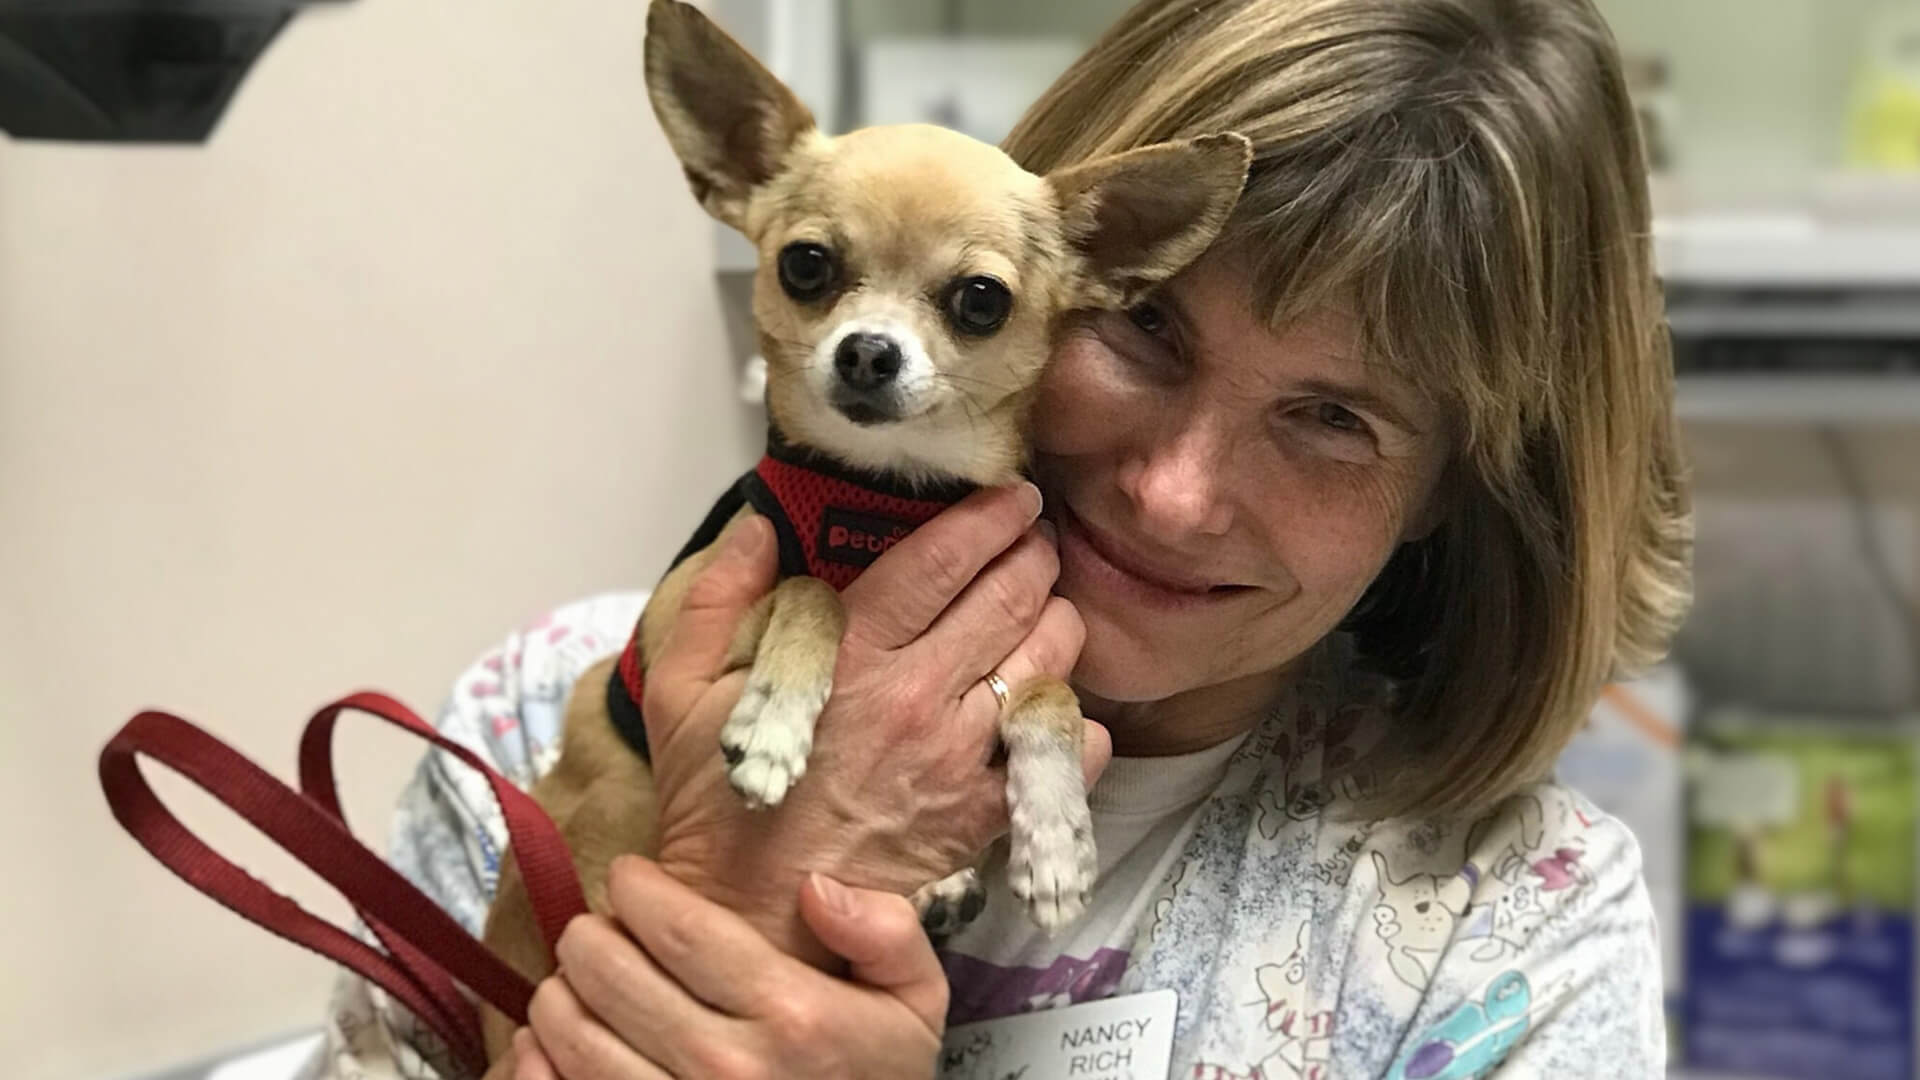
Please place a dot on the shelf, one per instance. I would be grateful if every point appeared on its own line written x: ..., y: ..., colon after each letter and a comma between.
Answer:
x: 1852, y: 317
x: 1800, y: 399
x: 1796, y: 250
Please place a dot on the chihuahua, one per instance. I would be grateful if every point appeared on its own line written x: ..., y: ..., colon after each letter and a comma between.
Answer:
x: 910, y: 285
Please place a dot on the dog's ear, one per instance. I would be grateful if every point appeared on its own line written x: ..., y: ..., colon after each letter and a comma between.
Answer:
x: 730, y: 121
x: 1138, y: 218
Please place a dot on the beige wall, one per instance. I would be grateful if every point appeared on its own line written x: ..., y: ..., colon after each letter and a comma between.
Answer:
x: 425, y: 340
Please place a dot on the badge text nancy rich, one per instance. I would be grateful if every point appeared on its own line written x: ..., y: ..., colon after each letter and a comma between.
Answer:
x: 1099, y: 1050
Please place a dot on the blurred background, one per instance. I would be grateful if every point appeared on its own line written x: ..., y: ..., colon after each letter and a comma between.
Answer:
x: 398, y: 326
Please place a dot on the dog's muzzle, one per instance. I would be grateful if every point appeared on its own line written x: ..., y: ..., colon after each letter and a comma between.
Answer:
x: 866, y: 368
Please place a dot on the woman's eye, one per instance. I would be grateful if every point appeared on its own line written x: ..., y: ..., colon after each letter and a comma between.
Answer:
x: 1148, y: 317
x: 1330, y: 428
x: 1339, y: 417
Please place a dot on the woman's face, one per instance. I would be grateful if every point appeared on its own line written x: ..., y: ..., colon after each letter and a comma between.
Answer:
x: 1224, y: 493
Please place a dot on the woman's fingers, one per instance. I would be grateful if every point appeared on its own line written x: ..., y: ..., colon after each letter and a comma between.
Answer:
x: 997, y: 610
x: 893, y: 601
x: 778, y: 1011
x: 713, y: 953
x: 743, y: 569
x: 1051, y: 649
x: 529, y: 1063
x: 575, y: 1044
x: 622, y: 984
x: 1096, y: 750
x: 880, y: 937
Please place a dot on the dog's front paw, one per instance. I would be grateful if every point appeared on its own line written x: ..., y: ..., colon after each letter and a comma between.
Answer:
x: 948, y: 905
x: 1051, y: 863
x: 767, y: 738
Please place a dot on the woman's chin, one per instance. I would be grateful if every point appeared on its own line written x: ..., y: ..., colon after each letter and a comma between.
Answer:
x: 1123, y: 673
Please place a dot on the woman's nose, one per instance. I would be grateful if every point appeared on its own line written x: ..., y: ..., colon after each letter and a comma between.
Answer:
x: 1178, y: 485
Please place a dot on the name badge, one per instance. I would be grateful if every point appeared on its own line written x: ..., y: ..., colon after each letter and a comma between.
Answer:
x: 1122, y: 1038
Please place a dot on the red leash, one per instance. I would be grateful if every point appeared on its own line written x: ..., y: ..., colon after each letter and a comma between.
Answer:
x: 427, y: 951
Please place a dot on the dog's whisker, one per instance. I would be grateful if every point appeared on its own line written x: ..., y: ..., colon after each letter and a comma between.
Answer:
x: 958, y: 379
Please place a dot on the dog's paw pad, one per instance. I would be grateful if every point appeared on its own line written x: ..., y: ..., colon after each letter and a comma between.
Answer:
x: 1052, y: 861
x: 767, y: 738
x: 947, y: 906
x: 1052, y: 868
x: 763, y: 783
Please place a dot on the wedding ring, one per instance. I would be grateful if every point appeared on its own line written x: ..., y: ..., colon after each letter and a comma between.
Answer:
x: 999, y: 687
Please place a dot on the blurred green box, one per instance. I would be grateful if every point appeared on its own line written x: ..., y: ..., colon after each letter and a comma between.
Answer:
x: 1801, y: 876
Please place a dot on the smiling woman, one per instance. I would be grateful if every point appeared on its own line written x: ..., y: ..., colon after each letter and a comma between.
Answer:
x: 1258, y: 487
x: 1452, y: 197
x: 1343, y: 529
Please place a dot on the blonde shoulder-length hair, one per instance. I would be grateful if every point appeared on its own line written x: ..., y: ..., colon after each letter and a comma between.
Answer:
x: 1468, y: 174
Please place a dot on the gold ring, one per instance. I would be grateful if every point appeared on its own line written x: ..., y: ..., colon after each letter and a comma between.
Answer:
x: 999, y: 687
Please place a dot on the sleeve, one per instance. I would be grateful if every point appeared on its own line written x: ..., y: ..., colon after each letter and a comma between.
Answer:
x: 1610, y: 1022
x: 447, y: 832
x: 1554, y: 968
x: 1603, y: 1013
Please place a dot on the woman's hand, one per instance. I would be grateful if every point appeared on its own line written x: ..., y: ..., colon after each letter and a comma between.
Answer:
x: 702, y: 994
x: 900, y: 789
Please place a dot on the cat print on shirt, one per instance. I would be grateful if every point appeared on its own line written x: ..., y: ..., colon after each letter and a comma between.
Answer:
x: 1302, y: 1035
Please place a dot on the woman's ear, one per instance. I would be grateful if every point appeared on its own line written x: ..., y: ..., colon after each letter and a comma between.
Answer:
x: 729, y: 120
x: 1138, y: 218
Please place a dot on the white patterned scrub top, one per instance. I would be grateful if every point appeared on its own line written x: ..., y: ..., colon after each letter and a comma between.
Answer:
x: 1301, y: 940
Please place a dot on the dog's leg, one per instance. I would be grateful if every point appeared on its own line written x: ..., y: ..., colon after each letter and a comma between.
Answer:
x: 767, y: 738
x: 948, y: 905
x: 1051, y: 861
x: 514, y: 936
x: 600, y: 794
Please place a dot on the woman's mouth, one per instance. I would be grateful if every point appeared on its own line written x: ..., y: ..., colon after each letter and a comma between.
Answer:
x: 1106, y: 563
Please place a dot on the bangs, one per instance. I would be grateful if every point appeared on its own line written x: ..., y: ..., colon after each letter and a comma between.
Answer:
x: 1392, y: 218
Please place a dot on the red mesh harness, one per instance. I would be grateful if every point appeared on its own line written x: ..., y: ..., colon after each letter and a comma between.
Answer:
x: 832, y: 521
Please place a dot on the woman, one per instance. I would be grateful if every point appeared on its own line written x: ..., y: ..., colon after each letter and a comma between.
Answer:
x: 1344, y: 532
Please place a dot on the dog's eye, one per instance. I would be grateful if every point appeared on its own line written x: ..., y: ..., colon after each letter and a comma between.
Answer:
x: 807, y: 271
x: 978, y: 305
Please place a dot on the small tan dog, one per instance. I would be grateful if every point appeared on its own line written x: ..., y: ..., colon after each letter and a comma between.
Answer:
x: 910, y: 285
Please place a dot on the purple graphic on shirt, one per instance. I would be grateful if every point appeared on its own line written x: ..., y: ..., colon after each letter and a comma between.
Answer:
x: 983, y: 991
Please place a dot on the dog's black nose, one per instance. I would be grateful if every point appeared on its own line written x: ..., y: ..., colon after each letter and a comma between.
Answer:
x: 867, y: 361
